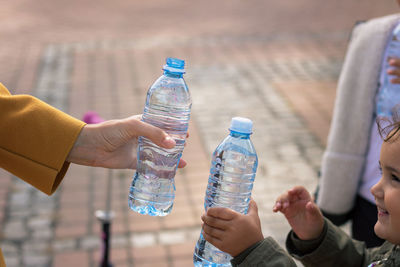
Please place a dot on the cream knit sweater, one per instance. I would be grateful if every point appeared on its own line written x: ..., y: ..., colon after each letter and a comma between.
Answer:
x: 348, y: 141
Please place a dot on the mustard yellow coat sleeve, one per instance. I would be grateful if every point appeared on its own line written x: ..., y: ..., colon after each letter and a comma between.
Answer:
x: 35, y: 140
x: 2, y: 263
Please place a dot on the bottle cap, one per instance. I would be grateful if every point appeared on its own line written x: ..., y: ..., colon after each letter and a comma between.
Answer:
x: 174, y: 65
x: 241, y: 125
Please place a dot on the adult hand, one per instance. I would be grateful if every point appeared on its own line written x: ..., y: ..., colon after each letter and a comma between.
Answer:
x: 112, y: 144
x: 301, y: 212
x: 231, y: 231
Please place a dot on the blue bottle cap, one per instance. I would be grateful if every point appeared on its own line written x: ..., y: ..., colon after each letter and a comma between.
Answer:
x: 241, y: 125
x: 174, y: 65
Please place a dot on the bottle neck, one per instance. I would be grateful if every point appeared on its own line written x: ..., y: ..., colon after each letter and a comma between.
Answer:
x: 173, y: 74
x: 239, y: 135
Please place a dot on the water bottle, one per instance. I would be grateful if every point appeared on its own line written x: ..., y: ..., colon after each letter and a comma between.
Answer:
x: 388, y: 99
x: 168, y: 105
x: 233, y: 169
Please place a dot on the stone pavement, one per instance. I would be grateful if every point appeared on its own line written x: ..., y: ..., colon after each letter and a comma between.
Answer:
x: 269, y: 82
x: 285, y: 83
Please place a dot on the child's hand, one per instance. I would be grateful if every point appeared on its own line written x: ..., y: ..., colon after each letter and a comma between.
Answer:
x: 231, y: 231
x: 395, y: 71
x: 302, y: 213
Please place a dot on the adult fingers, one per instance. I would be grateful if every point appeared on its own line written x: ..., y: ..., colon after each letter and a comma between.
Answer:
x: 155, y: 134
x: 186, y: 140
x: 182, y: 163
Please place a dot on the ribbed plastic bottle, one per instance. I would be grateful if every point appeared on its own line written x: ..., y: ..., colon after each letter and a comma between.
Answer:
x: 389, y: 94
x: 232, y: 173
x: 168, y: 105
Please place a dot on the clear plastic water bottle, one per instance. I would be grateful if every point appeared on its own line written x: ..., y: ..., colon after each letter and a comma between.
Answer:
x: 233, y: 169
x: 168, y: 107
x: 389, y: 94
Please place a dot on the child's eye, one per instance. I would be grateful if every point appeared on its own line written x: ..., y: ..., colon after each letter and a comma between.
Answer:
x: 380, y: 169
x: 395, y: 178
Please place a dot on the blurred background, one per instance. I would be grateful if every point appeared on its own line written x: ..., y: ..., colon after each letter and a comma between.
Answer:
x: 275, y: 62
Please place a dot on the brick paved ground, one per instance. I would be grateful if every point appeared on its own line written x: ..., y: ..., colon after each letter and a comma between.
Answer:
x: 285, y: 83
x: 112, y: 78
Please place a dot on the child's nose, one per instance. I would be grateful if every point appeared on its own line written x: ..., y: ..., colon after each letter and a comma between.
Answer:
x: 376, y: 189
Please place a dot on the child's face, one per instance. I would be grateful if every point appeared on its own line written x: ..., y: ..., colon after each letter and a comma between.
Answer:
x: 387, y: 192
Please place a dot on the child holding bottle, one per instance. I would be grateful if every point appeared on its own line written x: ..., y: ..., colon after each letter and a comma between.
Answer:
x: 314, y: 240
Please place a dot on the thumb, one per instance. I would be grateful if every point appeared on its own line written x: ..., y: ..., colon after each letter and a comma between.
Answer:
x: 253, y: 209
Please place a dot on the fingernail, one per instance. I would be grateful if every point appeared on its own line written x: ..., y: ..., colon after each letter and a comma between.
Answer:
x: 168, y: 141
x: 182, y: 163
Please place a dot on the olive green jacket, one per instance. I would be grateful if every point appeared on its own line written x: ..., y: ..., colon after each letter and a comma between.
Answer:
x: 333, y: 248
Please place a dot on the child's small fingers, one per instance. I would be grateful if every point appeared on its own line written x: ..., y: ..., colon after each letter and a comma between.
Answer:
x: 395, y: 80
x: 395, y: 62
x: 277, y: 207
x: 281, y: 202
x: 313, y: 209
x: 282, y: 198
x: 394, y: 72
x: 291, y: 194
x: 281, y: 206
x: 296, y: 191
x: 285, y: 205
x: 299, y: 193
x: 221, y: 213
x: 214, y: 222
x: 212, y: 231
x: 213, y: 240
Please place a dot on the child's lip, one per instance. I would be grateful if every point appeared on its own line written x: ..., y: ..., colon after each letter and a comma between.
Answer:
x: 382, y: 211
